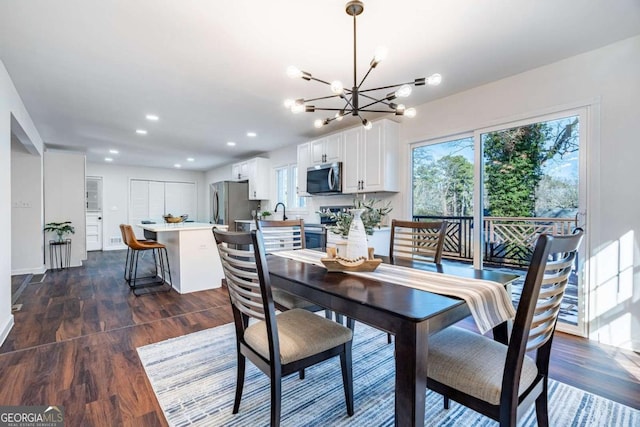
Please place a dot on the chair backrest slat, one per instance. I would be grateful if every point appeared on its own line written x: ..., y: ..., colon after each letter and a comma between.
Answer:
x: 417, y: 240
x: 537, y: 314
x: 242, y: 280
x: 552, y: 288
x: 282, y: 235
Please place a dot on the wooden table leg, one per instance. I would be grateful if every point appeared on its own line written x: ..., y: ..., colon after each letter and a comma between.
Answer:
x: 411, y: 374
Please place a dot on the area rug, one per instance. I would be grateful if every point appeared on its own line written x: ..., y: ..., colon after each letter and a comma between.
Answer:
x: 194, y: 377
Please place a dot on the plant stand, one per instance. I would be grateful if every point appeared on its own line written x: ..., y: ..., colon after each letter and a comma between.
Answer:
x: 59, y: 254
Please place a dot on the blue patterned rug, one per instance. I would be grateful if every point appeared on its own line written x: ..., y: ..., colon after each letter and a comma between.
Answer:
x: 194, y: 377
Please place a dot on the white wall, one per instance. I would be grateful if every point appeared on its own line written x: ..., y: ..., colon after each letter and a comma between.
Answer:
x: 27, y: 244
x: 115, y: 193
x: 64, y: 200
x: 608, y: 79
x: 10, y: 106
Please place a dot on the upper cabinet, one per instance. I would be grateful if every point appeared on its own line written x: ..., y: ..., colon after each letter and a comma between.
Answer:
x: 371, y: 158
x: 304, y: 161
x: 256, y: 171
x: 327, y: 149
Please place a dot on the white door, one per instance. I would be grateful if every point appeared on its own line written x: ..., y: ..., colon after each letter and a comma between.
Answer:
x: 94, y: 231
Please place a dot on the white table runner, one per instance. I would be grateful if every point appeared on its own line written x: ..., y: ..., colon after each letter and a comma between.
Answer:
x: 488, y: 301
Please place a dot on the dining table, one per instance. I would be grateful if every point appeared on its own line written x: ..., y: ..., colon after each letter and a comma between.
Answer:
x: 409, y: 314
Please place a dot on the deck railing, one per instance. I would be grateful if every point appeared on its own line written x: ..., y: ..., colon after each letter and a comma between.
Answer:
x: 507, y: 241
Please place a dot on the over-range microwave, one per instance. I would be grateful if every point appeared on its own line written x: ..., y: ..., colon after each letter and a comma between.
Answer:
x: 325, y: 179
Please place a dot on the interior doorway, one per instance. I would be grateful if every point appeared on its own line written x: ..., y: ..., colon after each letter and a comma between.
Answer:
x: 93, y: 206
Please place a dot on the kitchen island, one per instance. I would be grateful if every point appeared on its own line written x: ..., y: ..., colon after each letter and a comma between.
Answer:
x: 193, y: 256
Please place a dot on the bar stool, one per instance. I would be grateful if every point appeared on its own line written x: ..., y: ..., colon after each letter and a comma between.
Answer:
x: 134, y: 247
x: 125, y: 240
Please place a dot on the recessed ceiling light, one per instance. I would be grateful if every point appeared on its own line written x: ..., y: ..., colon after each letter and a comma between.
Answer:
x: 190, y: 159
x: 152, y: 117
x: 114, y: 151
x: 252, y: 134
x: 141, y: 131
x: 177, y: 165
x: 231, y: 144
x: 108, y: 159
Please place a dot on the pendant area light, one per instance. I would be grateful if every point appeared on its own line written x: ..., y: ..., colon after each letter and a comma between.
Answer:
x: 358, y: 100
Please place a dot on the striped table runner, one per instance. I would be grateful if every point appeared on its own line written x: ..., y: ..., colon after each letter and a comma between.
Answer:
x: 488, y: 301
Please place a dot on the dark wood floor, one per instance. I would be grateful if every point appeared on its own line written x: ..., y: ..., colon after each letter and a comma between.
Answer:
x: 74, y: 344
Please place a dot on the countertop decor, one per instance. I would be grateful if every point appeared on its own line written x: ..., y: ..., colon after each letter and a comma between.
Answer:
x: 372, y: 216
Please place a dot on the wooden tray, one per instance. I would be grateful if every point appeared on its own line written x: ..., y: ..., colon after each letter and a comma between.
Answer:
x: 336, y: 263
x: 340, y: 264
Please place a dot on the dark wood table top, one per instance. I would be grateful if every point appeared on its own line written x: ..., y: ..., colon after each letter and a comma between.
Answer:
x: 403, y: 301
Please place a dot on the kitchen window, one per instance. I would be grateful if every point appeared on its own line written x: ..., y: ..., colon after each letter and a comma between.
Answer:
x: 286, y: 179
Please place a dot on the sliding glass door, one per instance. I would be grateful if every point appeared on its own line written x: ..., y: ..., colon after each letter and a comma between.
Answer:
x: 501, y: 187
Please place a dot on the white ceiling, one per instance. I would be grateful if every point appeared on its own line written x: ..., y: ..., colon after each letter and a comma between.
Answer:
x: 89, y: 70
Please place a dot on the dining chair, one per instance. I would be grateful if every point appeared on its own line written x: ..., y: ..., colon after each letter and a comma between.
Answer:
x: 278, y: 344
x: 418, y: 240
x: 500, y: 380
x: 282, y: 236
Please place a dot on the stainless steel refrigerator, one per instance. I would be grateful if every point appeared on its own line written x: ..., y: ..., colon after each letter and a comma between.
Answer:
x: 230, y: 201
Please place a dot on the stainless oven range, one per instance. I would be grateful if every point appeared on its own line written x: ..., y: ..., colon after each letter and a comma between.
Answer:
x: 316, y: 234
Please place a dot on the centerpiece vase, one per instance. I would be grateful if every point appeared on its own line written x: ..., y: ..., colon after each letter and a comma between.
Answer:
x: 357, y: 245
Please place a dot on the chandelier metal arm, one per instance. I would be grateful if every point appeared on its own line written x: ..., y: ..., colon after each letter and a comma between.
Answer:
x: 376, y: 100
x: 320, y: 98
x: 364, y: 78
x: 387, y: 87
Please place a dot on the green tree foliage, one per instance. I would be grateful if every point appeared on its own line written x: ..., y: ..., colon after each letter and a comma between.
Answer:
x: 443, y: 187
x: 514, y: 164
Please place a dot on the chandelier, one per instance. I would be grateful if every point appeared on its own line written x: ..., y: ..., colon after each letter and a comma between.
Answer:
x: 358, y: 100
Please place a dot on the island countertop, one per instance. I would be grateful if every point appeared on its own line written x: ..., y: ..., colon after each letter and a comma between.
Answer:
x: 159, y: 228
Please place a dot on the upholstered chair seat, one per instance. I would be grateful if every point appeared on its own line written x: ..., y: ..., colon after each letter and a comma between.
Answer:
x: 467, y: 361
x: 294, y: 329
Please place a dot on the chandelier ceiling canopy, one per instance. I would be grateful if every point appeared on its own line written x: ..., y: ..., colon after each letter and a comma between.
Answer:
x: 358, y: 100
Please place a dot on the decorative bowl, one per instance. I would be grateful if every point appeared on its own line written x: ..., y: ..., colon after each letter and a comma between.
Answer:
x: 173, y: 219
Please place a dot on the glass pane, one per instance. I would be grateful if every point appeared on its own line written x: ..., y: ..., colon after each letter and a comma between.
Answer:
x: 281, y: 185
x: 530, y: 187
x: 442, y: 186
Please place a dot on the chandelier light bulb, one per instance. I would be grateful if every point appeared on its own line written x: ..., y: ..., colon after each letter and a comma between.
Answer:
x: 318, y: 123
x: 410, y: 112
x: 297, y: 108
x: 404, y: 91
x: 400, y: 109
x: 339, y: 115
x: 434, y: 79
x: 379, y: 55
x: 367, y: 124
x: 336, y: 87
x: 294, y: 72
x: 288, y: 103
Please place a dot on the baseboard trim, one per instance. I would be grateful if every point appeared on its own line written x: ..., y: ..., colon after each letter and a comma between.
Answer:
x: 114, y: 248
x: 35, y: 270
x: 6, y: 328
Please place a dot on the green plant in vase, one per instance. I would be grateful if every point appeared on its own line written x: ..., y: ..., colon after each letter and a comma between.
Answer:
x: 60, y: 228
x: 371, y: 217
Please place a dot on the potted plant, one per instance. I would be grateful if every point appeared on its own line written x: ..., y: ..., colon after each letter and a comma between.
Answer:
x: 264, y: 214
x: 60, y: 228
x: 371, y: 217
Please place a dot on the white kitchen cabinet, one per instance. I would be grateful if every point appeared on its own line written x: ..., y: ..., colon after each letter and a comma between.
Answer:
x: 303, y: 162
x: 327, y: 149
x: 256, y: 171
x: 371, y: 158
x: 240, y: 171
x: 258, y: 176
